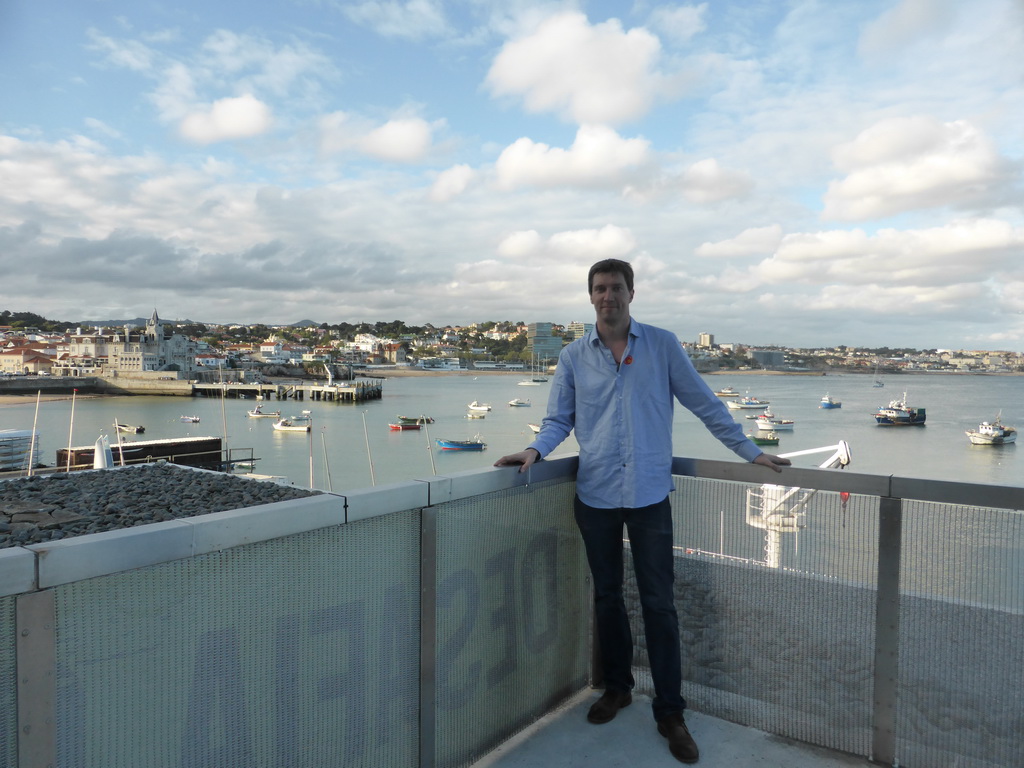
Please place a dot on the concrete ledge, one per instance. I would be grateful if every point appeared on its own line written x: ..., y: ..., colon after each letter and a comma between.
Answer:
x: 17, y: 571
x: 99, y: 554
x: 237, y: 527
x: 385, y: 499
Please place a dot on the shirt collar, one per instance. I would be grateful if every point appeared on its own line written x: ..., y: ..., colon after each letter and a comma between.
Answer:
x: 635, y: 331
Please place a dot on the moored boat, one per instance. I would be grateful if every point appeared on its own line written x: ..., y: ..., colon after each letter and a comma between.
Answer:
x: 518, y: 403
x: 259, y: 413
x: 830, y: 402
x: 534, y: 427
x: 190, y: 419
x: 404, y: 427
x: 992, y: 433
x: 475, y: 406
x: 727, y: 392
x: 129, y: 429
x: 899, y: 414
x: 747, y: 401
x: 768, y: 422
x: 476, y: 444
x: 766, y: 438
x: 284, y: 425
x: 415, y: 420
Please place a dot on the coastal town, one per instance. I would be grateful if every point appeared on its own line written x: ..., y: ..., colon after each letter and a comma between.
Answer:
x: 157, y: 349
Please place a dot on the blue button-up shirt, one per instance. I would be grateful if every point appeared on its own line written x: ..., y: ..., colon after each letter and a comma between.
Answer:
x: 622, y: 415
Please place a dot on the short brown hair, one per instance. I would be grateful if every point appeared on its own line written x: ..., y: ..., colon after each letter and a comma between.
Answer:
x: 606, y: 266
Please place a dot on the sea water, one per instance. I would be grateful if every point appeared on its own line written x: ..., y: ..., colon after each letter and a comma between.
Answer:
x: 350, y: 446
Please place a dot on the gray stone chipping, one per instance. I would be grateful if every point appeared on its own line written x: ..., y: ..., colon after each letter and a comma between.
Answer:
x: 50, y: 507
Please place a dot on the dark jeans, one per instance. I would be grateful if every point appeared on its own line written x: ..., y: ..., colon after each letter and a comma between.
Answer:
x: 650, y: 538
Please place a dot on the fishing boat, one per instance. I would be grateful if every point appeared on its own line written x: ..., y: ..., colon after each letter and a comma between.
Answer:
x: 899, y: 414
x: 259, y: 413
x: 475, y: 406
x: 476, y: 444
x: 415, y: 420
x: 766, y: 438
x: 129, y: 429
x: 190, y: 419
x: 769, y: 423
x: 992, y: 433
x: 747, y: 401
x: 830, y: 402
x: 517, y: 403
x: 727, y: 392
x: 404, y: 427
x: 284, y: 425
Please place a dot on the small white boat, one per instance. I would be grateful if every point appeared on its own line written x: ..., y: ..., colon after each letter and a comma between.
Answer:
x: 476, y: 415
x: 992, y: 433
x: 530, y: 383
x: 747, y: 401
x: 534, y: 427
x: 190, y: 419
x: 475, y: 406
x: 768, y: 422
x: 129, y: 429
x: 727, y: 392
x: 259, y: 413
x: 284, y: 425
x: 517, y: 403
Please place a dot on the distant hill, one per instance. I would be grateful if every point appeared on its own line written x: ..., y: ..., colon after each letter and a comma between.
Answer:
x: 304, y: 324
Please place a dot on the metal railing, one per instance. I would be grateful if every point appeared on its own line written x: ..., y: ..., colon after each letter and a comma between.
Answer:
x: 424, y: 623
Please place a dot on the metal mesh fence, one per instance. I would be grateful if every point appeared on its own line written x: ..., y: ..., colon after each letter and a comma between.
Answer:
x: 276, y: 654
x: 776, y: 611
x: 513, y: 616
x: 8, y: 684
x: 961, y: 644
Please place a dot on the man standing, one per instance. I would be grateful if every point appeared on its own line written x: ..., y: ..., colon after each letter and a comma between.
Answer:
x: 616, y: 388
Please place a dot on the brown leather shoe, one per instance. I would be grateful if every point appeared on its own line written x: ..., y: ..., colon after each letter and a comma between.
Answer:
x: 605, y: 708
x: 680, y: 742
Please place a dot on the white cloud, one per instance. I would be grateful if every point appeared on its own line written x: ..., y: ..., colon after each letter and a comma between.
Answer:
x: 960, y: 252
x: 585, y: 73
x: 129, y: 54
x: 404, y: 140
x: 598, y: 157
x: 414, y: 20
x: 904, y: 24
x: 908, y: 163
x: 707, y: 182
x: 608, y: 242
x: 400, y: 140
x: 240, y: 117
x: 451, y: 183
x: 749, y: 242
x: 680, y: 23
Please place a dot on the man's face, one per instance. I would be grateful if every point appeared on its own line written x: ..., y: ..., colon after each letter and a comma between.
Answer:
x: 610, y: 296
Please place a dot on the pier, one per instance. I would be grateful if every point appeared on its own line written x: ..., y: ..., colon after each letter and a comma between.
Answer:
x: 352, y: 392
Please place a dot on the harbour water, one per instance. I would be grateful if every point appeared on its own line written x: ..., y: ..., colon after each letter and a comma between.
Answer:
x: 351, y: 447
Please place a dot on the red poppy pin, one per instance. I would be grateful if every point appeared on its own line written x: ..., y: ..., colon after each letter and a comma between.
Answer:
x: 628, y: 360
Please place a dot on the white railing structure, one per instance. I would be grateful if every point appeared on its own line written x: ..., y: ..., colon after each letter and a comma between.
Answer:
x: 424, y: 623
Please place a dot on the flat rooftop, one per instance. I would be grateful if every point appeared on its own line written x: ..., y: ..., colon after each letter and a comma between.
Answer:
x: 564, y: 739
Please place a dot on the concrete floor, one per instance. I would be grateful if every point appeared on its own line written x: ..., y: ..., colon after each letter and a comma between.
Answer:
x: 564, y: 739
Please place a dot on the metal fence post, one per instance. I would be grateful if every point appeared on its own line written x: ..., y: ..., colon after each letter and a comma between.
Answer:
x: 887, y: 630
x: 428, y: 636
x: 35, y: 620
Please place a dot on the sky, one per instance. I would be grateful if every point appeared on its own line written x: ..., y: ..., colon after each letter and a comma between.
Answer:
x: 807, y: 173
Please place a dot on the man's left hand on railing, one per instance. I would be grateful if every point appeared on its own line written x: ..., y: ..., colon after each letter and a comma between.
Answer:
x: 773, y: 462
